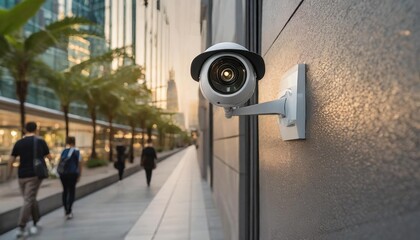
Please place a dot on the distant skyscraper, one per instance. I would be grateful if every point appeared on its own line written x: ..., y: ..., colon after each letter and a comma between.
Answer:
x: 172, y: 94
x: 172, y: 101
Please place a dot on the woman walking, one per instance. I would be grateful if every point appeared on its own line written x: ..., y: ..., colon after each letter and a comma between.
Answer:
x: 69, y: 168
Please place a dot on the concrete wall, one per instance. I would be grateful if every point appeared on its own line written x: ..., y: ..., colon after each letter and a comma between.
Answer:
x: 357, y: 175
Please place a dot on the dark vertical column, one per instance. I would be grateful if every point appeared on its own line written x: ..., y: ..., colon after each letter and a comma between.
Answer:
x: 145, y: 42
x: 244, y: 136
x: 110, y: 23
x: 250, y: 230
x: 151, y: 51
x: 210, y: 110
x: 133, y: 25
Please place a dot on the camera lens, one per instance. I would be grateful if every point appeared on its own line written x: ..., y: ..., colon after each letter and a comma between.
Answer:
x: 227, y: 75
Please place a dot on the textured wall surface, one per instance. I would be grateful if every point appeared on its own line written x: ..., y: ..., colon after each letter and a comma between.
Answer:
x: 276, y: 22
x: 357, y: 175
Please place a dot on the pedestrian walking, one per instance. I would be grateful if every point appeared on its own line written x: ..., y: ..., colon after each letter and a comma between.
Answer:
x: 120, y: 163
x: 70, y: 169
x: 29, y: 148
x: 148, y: 160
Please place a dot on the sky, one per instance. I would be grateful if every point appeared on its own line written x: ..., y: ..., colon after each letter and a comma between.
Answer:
x: 182, y: 35
x: 185, y: 29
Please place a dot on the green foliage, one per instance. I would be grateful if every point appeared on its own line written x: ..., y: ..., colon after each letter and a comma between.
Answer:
x: 13, y: 19
x: 20, y: 54
x: 185, y: 137
x: 4, y: 45
x: 93, y: 163
x: 103, y: 60
x: 56, y: 33
x: 61, y: 82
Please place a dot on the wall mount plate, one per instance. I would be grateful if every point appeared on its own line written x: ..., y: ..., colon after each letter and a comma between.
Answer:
x: 292, y: 85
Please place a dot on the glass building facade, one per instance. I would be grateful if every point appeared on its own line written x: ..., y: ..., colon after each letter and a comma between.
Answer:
x: 59, y: 58
x: 116, y: 23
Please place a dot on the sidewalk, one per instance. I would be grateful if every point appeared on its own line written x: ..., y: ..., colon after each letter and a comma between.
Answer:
x: 49, y: 195
x: 178, y: 212
x: 176, y: 206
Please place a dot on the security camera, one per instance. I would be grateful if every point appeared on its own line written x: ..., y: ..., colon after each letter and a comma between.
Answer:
x: 228, y: 73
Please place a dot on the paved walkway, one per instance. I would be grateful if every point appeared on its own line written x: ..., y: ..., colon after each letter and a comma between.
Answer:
x: 11, y: 197
x: 49, y: 196
x: 178, y: 210
x: 120, y: 211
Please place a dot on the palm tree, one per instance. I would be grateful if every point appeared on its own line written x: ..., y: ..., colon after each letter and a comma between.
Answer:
x: 97, y: 83
x: 111, y: 100
x: 13, y: 19
x: 152, y: 120
x: 90, y: 92
x: 135, y: 102
x: 143, y: 115
x: 128, y: 115
x: 162, y: 126
x: 20, y: 54
x: 173, y: 130
x: 64, y: 85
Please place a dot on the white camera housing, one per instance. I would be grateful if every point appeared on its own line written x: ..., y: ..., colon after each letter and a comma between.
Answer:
x: 242, y: 69
x: 228, y: 73
x: 236, y: 98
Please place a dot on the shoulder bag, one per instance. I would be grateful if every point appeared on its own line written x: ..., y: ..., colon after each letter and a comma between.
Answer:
x: 40, y: 168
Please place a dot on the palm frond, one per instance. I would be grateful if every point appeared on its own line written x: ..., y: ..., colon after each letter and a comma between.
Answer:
x: 128, y: 74
x: 103, y: 59
x: 4, y: 46
x: 68, y: 22
x: 13, y: 19
x: 55, y: 33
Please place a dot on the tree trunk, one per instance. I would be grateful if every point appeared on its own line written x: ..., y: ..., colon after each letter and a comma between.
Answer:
x: 161, y: 135
x: 132, y: 144
x: 149, y: 133
x: 65, y: 109
x: 21, y: 92
x: 93, y: 154
x: 111, y: 138
x: 143, y: 126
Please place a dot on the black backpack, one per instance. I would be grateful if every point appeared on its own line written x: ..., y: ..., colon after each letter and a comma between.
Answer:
x: 63, y: 165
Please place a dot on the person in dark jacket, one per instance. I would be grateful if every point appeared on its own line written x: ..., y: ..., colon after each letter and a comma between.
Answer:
x: 148, y: 160
x: 71, y: 175
x: 120, y: 164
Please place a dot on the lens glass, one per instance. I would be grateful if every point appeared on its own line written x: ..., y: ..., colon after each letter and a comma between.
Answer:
x: 227, y: 75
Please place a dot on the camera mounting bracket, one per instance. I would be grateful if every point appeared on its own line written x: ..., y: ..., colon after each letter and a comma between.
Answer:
x: 290, y: 106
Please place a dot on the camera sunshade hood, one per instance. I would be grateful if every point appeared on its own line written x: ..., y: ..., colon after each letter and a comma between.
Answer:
x: 256, y: 60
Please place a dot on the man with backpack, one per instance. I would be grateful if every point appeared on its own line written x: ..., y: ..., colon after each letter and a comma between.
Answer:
x: 69, y: 168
